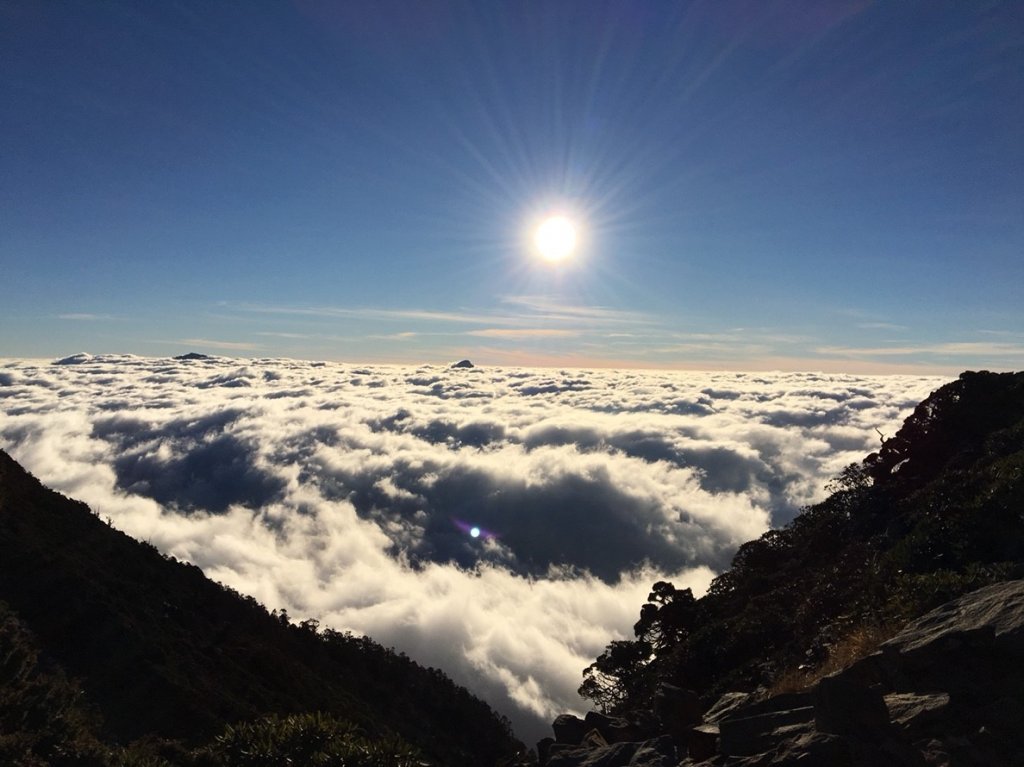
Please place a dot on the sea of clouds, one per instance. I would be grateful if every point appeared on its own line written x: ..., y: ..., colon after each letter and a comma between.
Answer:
x: 503, y: 524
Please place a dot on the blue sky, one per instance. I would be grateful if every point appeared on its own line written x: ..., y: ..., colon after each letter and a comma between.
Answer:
x: 758, y: 185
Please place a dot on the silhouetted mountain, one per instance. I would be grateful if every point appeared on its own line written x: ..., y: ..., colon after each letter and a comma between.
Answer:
x: 157, y: 649
x: 193, y: 356
x: 938, y: 511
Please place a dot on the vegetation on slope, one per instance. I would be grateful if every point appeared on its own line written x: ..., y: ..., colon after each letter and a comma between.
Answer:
x: 159, y: 651
x: 936, y: 512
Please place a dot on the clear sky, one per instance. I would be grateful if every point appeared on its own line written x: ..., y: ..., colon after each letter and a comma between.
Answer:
x: 799, y: 185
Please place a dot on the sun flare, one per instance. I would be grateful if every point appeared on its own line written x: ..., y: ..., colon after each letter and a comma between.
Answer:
x: 556, y: 238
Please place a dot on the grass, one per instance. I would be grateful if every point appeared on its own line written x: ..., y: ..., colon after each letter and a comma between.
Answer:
x: 860, y: 642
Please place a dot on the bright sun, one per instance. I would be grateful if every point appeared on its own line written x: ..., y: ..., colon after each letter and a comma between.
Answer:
x: 555, y: 238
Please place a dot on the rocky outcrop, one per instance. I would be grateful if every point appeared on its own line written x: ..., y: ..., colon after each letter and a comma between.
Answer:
x: 947, y: 691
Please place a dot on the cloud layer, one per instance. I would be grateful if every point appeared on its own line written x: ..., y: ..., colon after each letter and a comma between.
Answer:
x: 502, y: 524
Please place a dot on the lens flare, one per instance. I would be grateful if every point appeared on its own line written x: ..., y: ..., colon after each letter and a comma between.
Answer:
x: 474, y: 531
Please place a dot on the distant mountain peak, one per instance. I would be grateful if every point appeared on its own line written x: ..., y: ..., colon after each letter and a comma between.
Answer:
x: 75, y: 359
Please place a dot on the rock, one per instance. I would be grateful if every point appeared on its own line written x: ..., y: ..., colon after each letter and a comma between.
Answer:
x: 1003, y: 714
x: 998, y: 608
x: 543, y: 748
x: 749, y: 735
x: 948, y: 690
x: 615, y: 755
x: 593, y: 752
x: 657, y: 752
x: 463, y: 364
x: 569, y: 729
x: 843, y: 706
x: 678, y: 710
x: 754, y: 705
x: 702, y: 742
x: 725, y: 705
x: 933, y: 751
x: 614, y: 729
x: 815, y: 749
x: 909, y: 710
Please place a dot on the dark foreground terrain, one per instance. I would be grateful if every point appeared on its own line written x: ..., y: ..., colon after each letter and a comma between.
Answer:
x: 104, y: 642
x: 784, y: 660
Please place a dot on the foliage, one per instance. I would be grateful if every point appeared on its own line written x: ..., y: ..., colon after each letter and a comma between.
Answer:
x: 42, y: 719
x: 936, y: 512
x: 317, y: 740
x: 162, y: 652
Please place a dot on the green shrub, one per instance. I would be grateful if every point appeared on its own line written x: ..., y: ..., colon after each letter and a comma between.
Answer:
x: 317, y: 740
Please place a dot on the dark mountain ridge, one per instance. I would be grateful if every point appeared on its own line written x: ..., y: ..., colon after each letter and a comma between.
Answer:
x: 161, y: 651
x: 936, y: 513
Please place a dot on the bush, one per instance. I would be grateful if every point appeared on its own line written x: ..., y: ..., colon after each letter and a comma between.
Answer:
x: 317, y: 740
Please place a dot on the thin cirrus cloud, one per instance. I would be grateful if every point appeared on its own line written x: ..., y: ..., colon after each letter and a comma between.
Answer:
x: 344, y: 492
x: 207, y: 343
x: 998, y: 350
x: 523, y: 333
x: 88, y: 317
x: 518, y: 310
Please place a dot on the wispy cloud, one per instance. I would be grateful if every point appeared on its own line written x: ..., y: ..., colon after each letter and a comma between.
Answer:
x: 213, y: 344
x: 422, y: 315
x: 881, y: 326
x: 520, y: 310
x: 87, y: 317
x: 540, y: 306
x: 965, y: 348
x: 523, y: 333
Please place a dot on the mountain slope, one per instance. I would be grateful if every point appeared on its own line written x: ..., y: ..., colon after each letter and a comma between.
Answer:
x: 160, y: 649
x: 938, y: 511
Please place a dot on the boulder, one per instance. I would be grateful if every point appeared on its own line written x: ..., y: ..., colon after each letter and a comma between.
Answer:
x: 909, y: 710
x: 656, y: 752
x: 569, y: 729
x: 678, y: 708
x: 702, y: 742
x: 843, y: 706
x: 614, y: 729
x: 543, y: 748
x: 614, y: 755
x: 749, y: 735
x: 725, y: 706
x: 997, y: 609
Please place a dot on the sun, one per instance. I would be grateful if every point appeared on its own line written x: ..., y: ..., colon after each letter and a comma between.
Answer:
x: 556, y: 238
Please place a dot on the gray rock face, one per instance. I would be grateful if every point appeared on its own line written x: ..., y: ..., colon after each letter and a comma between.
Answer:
x: 996, y: 611
x: 946, y: 691
x: 912, y: 711
x: 659, y: 752
x: 749, y: 735
x: 725, y: 705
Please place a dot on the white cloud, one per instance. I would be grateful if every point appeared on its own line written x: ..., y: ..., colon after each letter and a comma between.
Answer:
x: 342, y: 492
